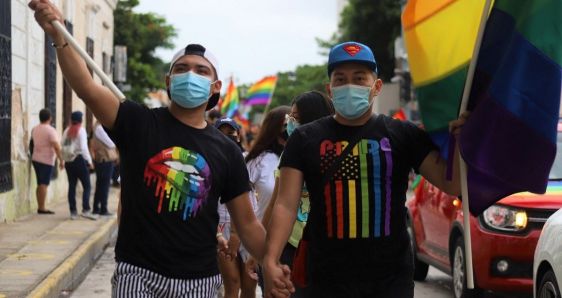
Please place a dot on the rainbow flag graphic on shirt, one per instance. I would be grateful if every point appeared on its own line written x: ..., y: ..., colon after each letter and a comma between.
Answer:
x: 440, y: 36
x: 509, y: 141
x: 229, y: 106
x: 181, y: 176
x: 261, y: 92
x: 358, y: 199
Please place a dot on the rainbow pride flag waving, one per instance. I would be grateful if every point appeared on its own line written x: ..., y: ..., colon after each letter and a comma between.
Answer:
x: 509, y: 141
x: 440, y: 36
x: 261, y: 92
x: 229, y: 106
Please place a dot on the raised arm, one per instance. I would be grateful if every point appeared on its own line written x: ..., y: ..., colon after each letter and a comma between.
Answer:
x: 98, y: 98
x: 434, y: 168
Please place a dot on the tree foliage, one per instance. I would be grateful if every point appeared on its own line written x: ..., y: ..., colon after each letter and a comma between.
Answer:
x: 142, y: 33
x: 304, y: 78
x: 375, y: 23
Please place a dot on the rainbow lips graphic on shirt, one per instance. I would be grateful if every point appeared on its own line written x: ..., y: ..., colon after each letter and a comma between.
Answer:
x: 181, y: 176
x: 358, y: 197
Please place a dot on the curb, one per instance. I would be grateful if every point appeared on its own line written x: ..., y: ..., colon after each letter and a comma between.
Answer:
x: 74, y: 268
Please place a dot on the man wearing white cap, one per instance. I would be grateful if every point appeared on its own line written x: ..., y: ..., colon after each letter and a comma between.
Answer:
x: 174, y: 169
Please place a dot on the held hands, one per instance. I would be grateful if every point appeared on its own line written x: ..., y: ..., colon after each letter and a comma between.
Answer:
x: 45, y: 13
x: 277, y: 278
x: 455, y: 126
x: 228, y: 250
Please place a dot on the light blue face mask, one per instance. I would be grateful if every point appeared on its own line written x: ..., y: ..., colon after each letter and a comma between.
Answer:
x: 292, y: 124
x: 189, y: 90
x: 351, y: 101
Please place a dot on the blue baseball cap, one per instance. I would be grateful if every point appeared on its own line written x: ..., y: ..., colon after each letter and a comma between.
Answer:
x: 227, y: 121
x: 351, y: 51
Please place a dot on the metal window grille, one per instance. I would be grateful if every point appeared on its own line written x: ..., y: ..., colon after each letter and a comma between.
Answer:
x: 5, y: 97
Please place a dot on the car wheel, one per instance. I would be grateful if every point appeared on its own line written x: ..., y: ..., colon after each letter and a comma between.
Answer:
x: 458, y: 264
x: 548, y: 287
x: 420, y: 268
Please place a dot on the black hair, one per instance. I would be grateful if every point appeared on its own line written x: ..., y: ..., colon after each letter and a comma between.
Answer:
x: 313, y: 105
x: 271, y: 129
x: 44, y: 115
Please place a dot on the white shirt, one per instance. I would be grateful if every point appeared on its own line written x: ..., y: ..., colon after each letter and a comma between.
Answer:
x: 80, y: 144
x: 102, y: 136
x: 262, y: 176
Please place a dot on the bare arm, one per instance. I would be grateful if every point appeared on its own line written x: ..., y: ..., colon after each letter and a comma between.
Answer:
x: 267, y: 214
x: 99, y: 99
x: 248, y: 227
x: 284, y: 213
x: 57, y: 148
x: 434, y: 168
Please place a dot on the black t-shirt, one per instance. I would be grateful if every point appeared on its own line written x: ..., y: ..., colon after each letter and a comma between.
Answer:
x: 356, y: 224
x: 172, y: 177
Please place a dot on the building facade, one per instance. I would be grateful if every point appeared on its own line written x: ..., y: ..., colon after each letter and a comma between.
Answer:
x: 30, y: 80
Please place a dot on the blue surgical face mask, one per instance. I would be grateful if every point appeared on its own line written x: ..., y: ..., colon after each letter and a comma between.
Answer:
x: 351, y: 101
x: 292, y: 124
x: 189, y: 90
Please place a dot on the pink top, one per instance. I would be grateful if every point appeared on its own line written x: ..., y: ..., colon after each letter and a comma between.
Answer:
x: 44, y: 135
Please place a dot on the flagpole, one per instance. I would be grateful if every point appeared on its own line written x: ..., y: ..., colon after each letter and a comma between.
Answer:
x: 105, y: 79
x: 462, y: 168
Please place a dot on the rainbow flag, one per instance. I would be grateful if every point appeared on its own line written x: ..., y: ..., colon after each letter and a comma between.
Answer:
x: 440, y: 36
x: 242, y: 120
x: 231, y: 102
x: 509, y: 141
x: 261, y: 92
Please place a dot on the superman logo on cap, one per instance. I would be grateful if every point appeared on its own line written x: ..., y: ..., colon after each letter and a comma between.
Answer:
x: 352, y: 49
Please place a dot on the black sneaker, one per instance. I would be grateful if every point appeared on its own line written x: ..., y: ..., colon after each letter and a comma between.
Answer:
x: 106, y: 214
x: 45, y: 211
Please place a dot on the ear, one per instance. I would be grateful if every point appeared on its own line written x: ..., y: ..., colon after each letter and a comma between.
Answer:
x: 167, y: 81
x: 378, y: 87
x: 328, y: 90
x: 216, y: 87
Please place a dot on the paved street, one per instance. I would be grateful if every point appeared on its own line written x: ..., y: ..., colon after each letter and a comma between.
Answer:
x: 97, y: 283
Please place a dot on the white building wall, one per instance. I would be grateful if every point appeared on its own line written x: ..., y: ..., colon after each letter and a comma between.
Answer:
x: 28, y: 92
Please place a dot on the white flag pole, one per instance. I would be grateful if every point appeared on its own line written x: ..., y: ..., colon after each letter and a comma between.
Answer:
x: 464, y: 186
x: 105, y: 79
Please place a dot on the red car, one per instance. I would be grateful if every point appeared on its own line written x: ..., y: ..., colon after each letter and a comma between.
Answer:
x: 503, y: 237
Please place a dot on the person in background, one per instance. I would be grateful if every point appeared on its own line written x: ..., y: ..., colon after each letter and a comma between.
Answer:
x: 45, y: 150
x: 105, y: 155
x: 78, y: 163
x: 305, y: 108
x: 212, y: 116
x: 237, y: 281
x: 263, y: 158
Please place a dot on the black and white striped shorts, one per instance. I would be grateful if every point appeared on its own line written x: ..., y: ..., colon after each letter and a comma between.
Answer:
x: 133, y: 281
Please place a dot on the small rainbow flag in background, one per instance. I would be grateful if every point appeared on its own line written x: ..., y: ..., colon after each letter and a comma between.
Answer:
x: 231, y: 102
x: 261, y: 92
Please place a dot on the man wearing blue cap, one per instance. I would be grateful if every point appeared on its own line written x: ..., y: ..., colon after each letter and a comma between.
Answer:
x: 355, y: 165
x: 174, y: 168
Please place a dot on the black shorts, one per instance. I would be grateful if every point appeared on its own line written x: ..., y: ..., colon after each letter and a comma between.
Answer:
x: 43, y: 172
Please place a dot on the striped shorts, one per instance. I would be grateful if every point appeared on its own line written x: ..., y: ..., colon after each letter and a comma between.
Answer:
x: 133, y: 281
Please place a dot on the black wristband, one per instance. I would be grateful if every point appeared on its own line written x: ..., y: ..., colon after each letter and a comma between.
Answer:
x: 59, y: 47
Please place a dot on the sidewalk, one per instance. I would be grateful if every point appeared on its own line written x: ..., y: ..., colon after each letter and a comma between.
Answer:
x: 42, y: 255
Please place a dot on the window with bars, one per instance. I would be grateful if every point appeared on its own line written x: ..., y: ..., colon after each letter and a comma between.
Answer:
x: 51, y: 79
x: 5, y: 97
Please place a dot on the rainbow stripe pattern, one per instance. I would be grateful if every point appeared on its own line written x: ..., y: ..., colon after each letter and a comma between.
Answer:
x: 261, y: 92
x: 358, y: 199
x: 229, y: 106
x: 440, y: 36
x: 180, y: 176
x: 509, y: 141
